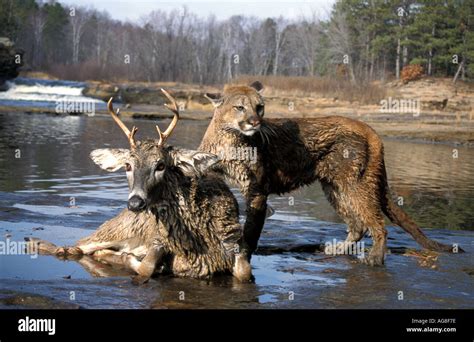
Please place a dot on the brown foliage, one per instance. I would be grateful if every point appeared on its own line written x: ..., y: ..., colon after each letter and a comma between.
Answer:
x: 411, y: 72
x: 341, y: 89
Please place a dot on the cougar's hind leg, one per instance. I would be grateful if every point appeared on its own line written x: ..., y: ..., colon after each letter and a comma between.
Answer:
x: 360, y: 216
x: 355, y: 233
x: 355, y: 229
x: 369, y: 217
x: 378, y: 232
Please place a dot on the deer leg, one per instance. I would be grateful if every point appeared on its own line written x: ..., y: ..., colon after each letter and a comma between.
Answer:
x: 97, y: 268
x: 49, y: 248
x: 147, y: 266
x: 121, y: 245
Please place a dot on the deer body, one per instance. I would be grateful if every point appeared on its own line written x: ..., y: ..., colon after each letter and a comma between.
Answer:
x: 193, y: 220
x: 178, y: 219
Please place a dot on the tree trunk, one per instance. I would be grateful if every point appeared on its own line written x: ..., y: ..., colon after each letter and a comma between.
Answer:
x: 405, y: 55
x: 397, y: 62
x: 430, y: 59
x: 384, y: 65
x: 429, y: 62
x: 366, y: 61
x: 351, y: 73
x: 372, y: 62
x: 461, y: 66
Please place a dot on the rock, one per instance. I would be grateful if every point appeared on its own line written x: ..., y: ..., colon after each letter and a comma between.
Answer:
x: 100, y: 91
x: 20, y: 300
x: 11, y: 60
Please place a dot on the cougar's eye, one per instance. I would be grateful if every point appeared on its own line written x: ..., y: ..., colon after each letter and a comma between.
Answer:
x: 128, y: 167
x: 239, y: 108
x: 160, y: 166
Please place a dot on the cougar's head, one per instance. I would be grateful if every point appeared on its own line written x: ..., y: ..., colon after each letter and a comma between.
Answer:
x: 239, y: 108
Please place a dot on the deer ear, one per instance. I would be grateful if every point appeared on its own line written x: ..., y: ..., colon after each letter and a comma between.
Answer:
x: 193, y: 163
x: 258, y: 86
x: 110, y: 159
x: 215, y: 99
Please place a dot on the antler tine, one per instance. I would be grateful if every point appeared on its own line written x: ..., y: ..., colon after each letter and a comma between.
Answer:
x: 175, y: 110
x: 130, y: 135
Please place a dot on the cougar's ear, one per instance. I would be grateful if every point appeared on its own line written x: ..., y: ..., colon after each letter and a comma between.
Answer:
x: 216, y: 99
x: 110, y: 159
x: 193, y: 163
x: 257, y: 86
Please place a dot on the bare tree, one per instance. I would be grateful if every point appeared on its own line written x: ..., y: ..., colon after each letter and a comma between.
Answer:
x: 280, y: 39
x: 38, y: 22
x: 78, y: 19
x: 340, y: 43
x: 309, y: 36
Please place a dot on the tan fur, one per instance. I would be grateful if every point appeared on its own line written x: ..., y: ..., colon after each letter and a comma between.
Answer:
x: 345, y: 155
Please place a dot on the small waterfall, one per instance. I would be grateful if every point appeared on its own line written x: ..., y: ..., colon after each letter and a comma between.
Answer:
x: 30, y: 92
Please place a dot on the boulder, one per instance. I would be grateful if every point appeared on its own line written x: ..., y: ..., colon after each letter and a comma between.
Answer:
x: 11, y: 60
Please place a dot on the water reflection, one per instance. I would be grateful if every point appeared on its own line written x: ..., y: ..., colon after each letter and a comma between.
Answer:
x: 53, y: 167
x: 46, y: 154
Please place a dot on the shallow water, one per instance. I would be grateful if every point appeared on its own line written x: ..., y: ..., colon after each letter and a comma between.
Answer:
x: 50, y: 189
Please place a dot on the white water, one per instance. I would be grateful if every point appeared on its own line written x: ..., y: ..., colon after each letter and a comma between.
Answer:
x: 45, y: 93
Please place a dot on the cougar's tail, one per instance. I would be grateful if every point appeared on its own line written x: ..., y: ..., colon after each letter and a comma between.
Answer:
x: 400, y: 218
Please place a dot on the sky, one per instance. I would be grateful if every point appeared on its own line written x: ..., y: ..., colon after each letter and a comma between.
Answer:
x: 132, y: 10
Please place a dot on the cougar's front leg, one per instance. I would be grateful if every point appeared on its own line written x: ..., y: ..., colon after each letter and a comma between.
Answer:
x: 256, y: 213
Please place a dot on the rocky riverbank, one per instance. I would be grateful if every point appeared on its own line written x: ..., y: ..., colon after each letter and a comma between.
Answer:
x: 429, y: 109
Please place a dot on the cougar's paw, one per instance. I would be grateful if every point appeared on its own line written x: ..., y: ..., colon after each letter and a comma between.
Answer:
x: 373, y: 260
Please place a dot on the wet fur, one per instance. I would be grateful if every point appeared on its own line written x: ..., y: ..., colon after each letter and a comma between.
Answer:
x: 345, y: 155
x: 191, y: 229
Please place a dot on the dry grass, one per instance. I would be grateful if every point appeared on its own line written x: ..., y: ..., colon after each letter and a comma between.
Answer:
x: 341, y: 89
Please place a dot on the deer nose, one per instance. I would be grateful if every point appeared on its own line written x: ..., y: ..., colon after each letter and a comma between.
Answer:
x: 136, y: 203
x: 254, y: 121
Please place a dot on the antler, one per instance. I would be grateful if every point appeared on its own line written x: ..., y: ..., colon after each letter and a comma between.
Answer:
x: 175, y: 109
x: 130, y: 135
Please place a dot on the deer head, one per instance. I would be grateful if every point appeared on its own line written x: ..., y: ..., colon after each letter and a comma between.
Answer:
x: 151, y: 165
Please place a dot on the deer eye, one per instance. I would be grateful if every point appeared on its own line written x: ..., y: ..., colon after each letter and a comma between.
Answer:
x: 160, y: 166
x: 128, y: 167
x: 239, y: 108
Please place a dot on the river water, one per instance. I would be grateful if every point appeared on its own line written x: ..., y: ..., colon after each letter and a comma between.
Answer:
x: 49, y: 188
